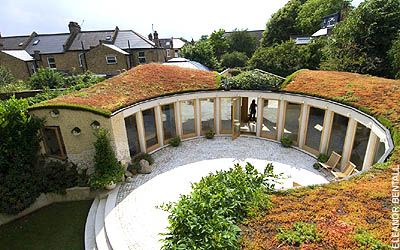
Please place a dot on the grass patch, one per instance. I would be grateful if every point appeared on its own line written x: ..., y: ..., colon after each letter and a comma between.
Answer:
x: 58, y: 226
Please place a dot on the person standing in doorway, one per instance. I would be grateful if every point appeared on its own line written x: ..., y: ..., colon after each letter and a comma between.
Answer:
x: 253, y: 110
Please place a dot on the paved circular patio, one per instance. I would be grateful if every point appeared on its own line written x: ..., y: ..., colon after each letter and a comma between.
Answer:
x: 175, y: 169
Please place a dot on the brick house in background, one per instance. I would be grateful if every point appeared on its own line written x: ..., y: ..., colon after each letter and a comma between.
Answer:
x: 172, y: 47
x: 19, y: 62
x: 113, y: 51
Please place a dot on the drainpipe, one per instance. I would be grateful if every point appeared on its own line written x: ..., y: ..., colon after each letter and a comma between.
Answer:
x: 84, y: 57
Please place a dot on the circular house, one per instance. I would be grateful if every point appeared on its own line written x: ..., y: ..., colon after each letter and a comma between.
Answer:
x: 147, y: 106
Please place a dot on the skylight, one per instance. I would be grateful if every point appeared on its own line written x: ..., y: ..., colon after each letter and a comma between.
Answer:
x: 108, y: 37
x: 20, y: 44
x: 36, y: 42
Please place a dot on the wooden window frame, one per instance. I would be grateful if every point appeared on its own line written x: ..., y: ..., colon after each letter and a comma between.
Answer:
x: 221, y: 130
x: 166, y: 141
x: 295, y: 143
x: 194, y: 134
x: 60, y: 143
x: 305, y: 146
x: 157, y: 145
x: 265, y: 135
x: 214, y: 114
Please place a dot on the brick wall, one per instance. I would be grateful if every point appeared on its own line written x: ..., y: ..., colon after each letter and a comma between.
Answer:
x: 96, y: 60
x: 18, y: 68
x: 67, y: 62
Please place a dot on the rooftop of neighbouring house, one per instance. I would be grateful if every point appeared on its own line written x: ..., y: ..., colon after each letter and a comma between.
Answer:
x: 138, y: 84
x: 380, y: 96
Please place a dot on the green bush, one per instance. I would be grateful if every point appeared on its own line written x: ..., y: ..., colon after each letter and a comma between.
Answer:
x: 299, y: 234
x: 175, y: 142
x: 210, y: 134
x: 207, y: 217
x: 5, y: 76
x: 286, y: 141
x: 322, y: 158
x: 234, y: 59
x: 46, y: 78
x: 141, y: 156
x: 254, y: 79
x: 14, y: 87
x: 367, y: 241
x: 107, y: 168
x: 316, y: 165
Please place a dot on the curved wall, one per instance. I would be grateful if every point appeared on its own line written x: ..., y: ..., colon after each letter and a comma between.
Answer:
x: 363, y: 139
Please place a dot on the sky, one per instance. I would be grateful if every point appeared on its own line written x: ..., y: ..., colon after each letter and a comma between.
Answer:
x: 174, y: 18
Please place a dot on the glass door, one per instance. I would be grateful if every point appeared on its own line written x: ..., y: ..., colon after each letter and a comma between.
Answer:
x: 235, y: 118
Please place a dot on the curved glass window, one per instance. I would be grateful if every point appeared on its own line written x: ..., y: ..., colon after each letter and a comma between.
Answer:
x: 188, y: 118
x: 226, y: 115
x: 132, y: 133
x: 379, y: 151
x: 150, y: 129
x: 315, y: 127
x: 338, y: 134
x: 270, y: 119
x: 292, y: 121
x: 360, y: 145
x: 168, y: 121
x: 207, y: 115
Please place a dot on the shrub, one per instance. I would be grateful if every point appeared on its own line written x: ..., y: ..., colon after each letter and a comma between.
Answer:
x: 14, y: 87
x: 299, y: 234
x: 107, y: 168
x: 234, y: 59
x: 322, y: 158
x: 141, y: 156
x: 254, y: 79
x: 175, y: 142
x: 5, y: 76
x: 316, y: 166
x: 286, y: 141
x: 46, y: 78
x: 210, y: 134
x: 207, y: 217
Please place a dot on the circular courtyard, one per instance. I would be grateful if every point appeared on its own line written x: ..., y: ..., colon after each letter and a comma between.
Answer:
x: 137, y: 210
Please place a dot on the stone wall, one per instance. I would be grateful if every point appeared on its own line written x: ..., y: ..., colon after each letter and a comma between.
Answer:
x: 96, y: 61
x: 67, y: 62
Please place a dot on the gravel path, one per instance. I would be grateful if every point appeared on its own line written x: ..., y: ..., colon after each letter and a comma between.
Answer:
x: 176, y: 168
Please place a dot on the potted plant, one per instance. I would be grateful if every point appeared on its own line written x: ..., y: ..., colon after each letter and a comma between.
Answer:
x: 210, y: 134
x: 286, y: 142
x: 107, y: 170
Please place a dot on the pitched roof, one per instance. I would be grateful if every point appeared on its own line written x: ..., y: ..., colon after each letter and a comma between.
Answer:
x: 13, y: 42
x: 136, y: 41
x: 137, y: 84
x: 177, y: 43
x: 19, y: 54
x: 113, y: 47
x: 90, y: 39
x: 48, y: 44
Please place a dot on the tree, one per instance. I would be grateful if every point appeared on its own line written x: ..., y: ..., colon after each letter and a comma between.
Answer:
x: 242, y: 41
x: 46, y: 78
x: 282, y: 24
x: 362, y: 41
x: 310, y: 16
x: 219, y: 43
x: 234, y: 59
x: 5, y: 76
x: 202, y: 52
x: 394, y: 55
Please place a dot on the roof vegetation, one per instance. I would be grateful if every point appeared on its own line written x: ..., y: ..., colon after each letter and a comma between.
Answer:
x: 138, y: 84
x: 352, y: 214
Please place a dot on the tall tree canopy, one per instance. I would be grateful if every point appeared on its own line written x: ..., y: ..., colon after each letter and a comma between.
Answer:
x: 242, y: 41
x: 219, y: 43
x: 310, y: 16
x: 362, y: 41
x: 202, y: 52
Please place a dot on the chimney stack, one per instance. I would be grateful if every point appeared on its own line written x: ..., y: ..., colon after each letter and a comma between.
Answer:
x: 150, y: 36
x: 156, y: 41
x: 74, y: 27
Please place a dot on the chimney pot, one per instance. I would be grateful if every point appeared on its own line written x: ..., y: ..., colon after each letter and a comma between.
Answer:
x: 74, y: 27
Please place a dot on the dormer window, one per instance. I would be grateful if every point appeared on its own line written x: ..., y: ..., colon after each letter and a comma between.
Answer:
x: 36, y: 42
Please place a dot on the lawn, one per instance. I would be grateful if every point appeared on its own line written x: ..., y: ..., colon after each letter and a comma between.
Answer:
x: 58, y: 226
